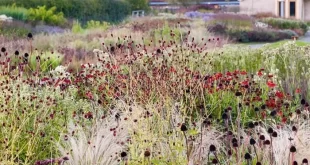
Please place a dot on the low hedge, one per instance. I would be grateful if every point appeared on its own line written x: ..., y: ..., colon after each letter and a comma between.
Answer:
x: 280, y: 23
x: 260, y: 35
x: 251, y: 35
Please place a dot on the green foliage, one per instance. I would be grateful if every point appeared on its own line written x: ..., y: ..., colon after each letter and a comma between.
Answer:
x: 83, y: 10
x: 77, y: 27
x: 17, y: 13
x: 280, y: 43
x: 97, y: 24
x: 139, y: 4
x: 233, y: 21
x: 165, y: 33
x: 242, y: 32
x: 49, y: 16
x: 258, y: 35
x: 48, y: 61
x: 14, y: 29
x: 185, y: 3
x: 281, y: 23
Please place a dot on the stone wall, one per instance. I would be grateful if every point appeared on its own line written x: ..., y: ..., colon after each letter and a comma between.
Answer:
x: 258, y: 6
x: 307, y: 10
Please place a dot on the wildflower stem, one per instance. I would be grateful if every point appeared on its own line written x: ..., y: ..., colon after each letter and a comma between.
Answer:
x: 255, y: 152
x: 187, y: 149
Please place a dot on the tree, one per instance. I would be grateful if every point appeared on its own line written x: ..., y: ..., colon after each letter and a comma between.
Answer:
x: 139, y: 4
x: 185, y: 3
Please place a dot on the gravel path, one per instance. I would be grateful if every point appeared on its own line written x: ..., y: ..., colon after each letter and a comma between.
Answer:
x: 306, y: 38
x: 256, y: 46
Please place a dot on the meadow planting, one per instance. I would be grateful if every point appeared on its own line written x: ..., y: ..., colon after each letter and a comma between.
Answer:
x: 152, y: 92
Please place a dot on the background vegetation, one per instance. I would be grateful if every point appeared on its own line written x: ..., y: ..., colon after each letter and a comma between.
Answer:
x: 99, y: 10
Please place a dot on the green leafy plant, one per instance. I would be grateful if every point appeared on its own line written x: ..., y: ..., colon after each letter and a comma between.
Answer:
x: 46, y: 61
x: 97, y: 24
x: 281, y: 23
x: 18, y: 13
x: 48, y: 16
x: 77, y: 27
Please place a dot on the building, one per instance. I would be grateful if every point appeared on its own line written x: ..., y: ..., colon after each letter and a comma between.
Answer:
x: 201, y: 2
x: 298, y: 9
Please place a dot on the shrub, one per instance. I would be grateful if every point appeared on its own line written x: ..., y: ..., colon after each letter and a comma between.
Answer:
x: 280, y: 23
x: 46, y: 29
x: 77, y: 27
x: 18, y: 13
x: 259, y: 35
x: 139, y: 4
x: 289, y: 32
x: 48, y: 16
x: 217, y: 28
x: 14, y: 29
x: 234, y: 21
x: 261, y: 15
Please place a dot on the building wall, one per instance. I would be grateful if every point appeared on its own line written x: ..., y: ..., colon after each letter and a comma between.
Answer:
x: 258, y: 6
x: 307, y: 10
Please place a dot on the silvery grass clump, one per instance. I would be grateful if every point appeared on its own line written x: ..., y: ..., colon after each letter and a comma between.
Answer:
x: 292, y: 62
x: 282, y: 139
x: 157, y: 135
x: 60, y: 72
x: 5, y: 18
x: 95, y: 144
x: 289, y: 137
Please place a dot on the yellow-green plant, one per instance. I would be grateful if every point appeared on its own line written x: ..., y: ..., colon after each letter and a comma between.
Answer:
x: 77, y: 27
x: 49, y: 16
x: 46, y: 61
x: 97, y: 24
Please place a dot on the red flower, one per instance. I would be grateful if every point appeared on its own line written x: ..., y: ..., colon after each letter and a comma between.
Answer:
x: 243, y: 72
x: 271, y: 84
x: 260, y: 73
x: 283, y: 120
x: 279, y: 94
x: 245, y: 82
x: 228, y: 74
x: 218, y: 75
x: 298, y: 90
x: 89, y: 95
x: 236, y: 72
x: 263, y: 114
x: 280, y: 113
x: 88, y: 76
x: 67, y: 81
x: 270, y: 75
x: 172, y: 70
x: 88, y: 115
x: 271, y: 103
x: 57, y: 82
x: 115, y: 67
x: 45, y: 79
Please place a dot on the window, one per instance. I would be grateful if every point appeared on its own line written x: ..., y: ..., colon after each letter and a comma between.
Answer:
x: 281, y: 8
x: 292, y: 9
